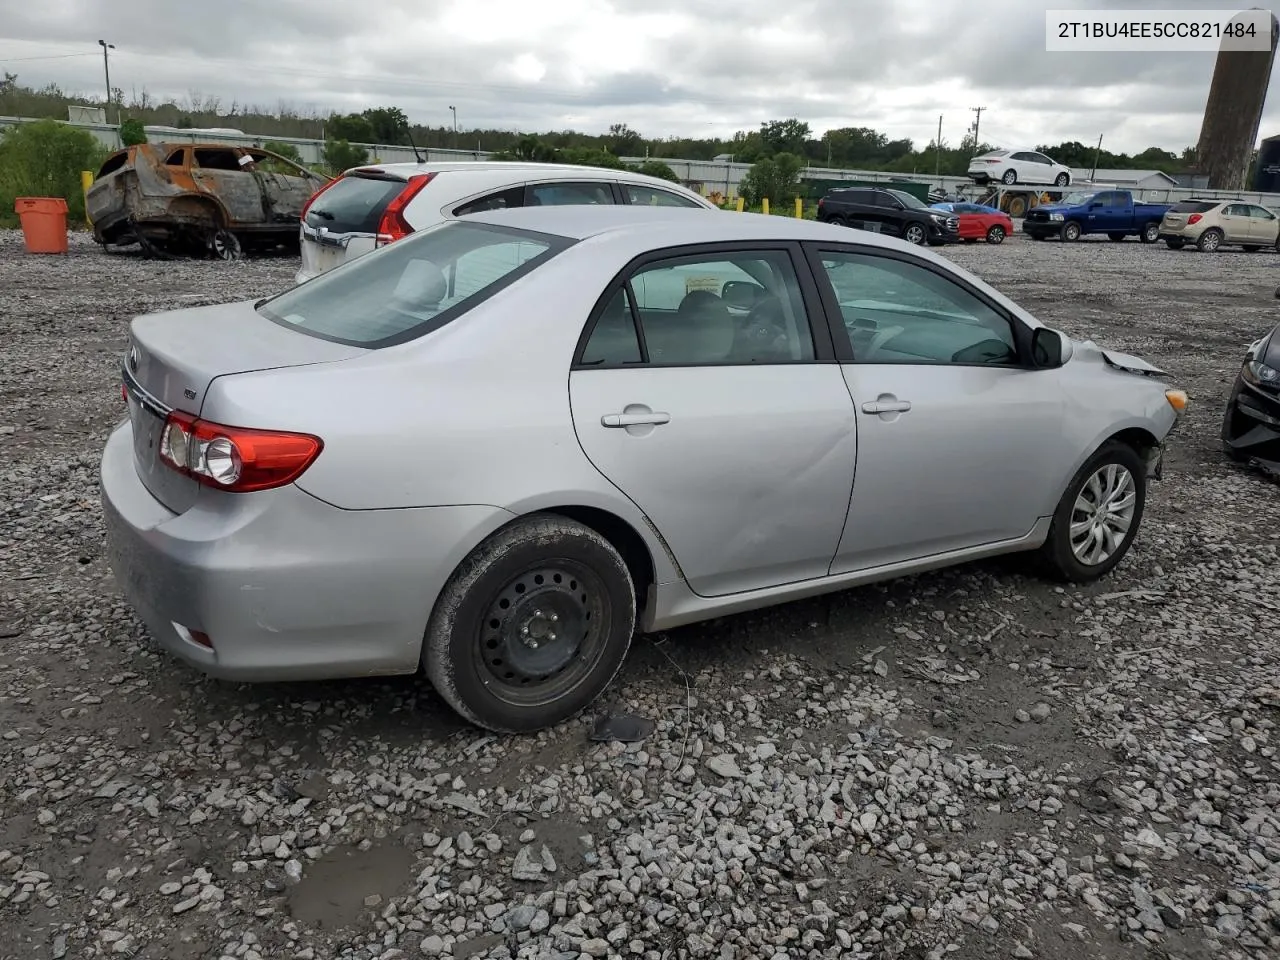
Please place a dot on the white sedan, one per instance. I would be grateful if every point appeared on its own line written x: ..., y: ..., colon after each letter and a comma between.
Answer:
x: 1018, y: 166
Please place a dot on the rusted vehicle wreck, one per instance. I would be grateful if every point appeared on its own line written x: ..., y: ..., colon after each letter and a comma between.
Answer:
x: 199, y: 199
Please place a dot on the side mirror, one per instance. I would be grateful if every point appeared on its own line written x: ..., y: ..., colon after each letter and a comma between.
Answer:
x: 1050, y: 349
x: 740, y: 293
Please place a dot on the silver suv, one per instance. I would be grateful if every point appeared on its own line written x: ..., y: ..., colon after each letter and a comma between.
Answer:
x: 1211, y: 224
x: 368, y: 207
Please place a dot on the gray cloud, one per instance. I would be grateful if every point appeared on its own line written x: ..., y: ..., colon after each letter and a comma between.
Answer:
x: 665, y: 67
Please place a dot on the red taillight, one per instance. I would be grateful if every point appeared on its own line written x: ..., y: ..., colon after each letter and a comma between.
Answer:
x: 307, y: 205
x: 235, y: 459
x: 393, y: 225
x: 1194, y: 218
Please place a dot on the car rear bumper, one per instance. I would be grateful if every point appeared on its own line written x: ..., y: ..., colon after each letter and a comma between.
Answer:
x: 285, y: 586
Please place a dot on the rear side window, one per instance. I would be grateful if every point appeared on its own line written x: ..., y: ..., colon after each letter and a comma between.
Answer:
x: 1192, y: 206
x: 114, y: 163
x: 413, y: 286
x: 354, y: 204
x: 568, y: 194
x: 492, y: 201
x: 653, y: 197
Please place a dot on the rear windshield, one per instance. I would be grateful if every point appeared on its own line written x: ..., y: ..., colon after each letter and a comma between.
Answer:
x: 1193, y: 206
x: 354, y: 204
x: 413, y: 286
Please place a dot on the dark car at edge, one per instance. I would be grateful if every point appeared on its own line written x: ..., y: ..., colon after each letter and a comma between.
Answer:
x: 1251, y: 423
x: 893, y: 212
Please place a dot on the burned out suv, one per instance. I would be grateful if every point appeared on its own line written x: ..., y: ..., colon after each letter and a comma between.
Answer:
x: 894, y: 212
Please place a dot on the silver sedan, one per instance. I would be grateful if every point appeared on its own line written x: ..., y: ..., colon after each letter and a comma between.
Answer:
x: 496, y: 449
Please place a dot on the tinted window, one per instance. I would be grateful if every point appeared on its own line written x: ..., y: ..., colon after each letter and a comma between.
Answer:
x: 851, y: 196
x: 907, y: 199
x: 1041, y: 158
x: 1024, y: 156
x: 1193, y: 206
x: 613, y: 339
x: 354, y: 204
x: 900, y: 312
x: 652, y: 196
x: 493, y: 201
x: 688, y: 316
x: 883, y: 198
x: 413, y: 286
x: 567, y: 194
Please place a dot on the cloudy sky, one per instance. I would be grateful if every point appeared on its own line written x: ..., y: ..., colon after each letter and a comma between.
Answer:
x: 664, y: 67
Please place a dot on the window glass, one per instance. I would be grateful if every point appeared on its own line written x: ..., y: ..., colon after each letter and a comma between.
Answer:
x: 900, y: 312
x: 1261, y: 212
x: 723, y: 309
x: 614, y: 340
x: 354, y: 204
x: 652, y: 196
x: 568, y: 194
x: 1236, y: 210
x: 412, y: 286
x: 493, y: 201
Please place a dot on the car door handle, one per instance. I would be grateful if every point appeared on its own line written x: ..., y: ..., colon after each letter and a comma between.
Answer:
x: 880, y: 406
x: 634, y: 419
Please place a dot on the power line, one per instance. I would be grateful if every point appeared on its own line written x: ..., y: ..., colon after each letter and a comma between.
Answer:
x: 55, y: 56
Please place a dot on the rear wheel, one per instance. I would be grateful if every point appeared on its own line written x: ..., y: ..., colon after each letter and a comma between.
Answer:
x: 1010, y: 177
x: 1209, y: 241
x: 532, y: 626
x: 1062, y: 179
x: 996, y: 234
x: 224, y: 245
x: 1098, y: 516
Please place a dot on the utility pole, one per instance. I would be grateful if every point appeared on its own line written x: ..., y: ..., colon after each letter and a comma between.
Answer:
x: 106, y: 69
x: 454, y: 111
x: 1096, y: 154
x: 937, y: 151
x: 977, y: 119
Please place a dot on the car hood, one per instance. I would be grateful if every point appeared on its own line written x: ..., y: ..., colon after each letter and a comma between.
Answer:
x: 1267, y: 348
x: 1121, y: 361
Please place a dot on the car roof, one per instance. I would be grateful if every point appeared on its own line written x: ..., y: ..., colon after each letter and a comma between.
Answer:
x: 407, y: 170
x: 668, y: 226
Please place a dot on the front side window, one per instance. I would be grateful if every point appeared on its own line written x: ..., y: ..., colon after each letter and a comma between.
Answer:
x: 210, y: 158
x: 895, y: 311
x: 1262, y: 213
x: 413, y: 286
x: 568, y: 194
x: 708, y: 310
x: 651, y: 196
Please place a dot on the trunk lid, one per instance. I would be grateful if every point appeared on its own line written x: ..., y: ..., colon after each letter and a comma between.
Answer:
x: 172, y: 357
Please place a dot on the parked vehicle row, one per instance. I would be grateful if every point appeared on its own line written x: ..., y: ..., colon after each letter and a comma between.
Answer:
x: 888, y: 211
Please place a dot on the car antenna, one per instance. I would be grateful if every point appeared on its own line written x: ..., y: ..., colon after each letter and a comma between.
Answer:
x: 416, y: 155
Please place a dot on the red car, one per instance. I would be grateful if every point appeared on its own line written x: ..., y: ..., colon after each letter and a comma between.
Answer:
x: 979, y: 222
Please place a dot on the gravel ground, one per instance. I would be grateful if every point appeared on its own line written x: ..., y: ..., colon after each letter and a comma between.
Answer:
x: 968, y: 764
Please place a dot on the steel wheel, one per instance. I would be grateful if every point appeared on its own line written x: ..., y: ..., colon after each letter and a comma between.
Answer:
x: 543, y: 633
x: 914, y: 234
x: 1103, y: 514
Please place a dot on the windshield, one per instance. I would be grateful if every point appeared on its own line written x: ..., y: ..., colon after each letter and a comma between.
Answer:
x: 909, y: 201
x: 1077, y: 199
x: 413, y: 286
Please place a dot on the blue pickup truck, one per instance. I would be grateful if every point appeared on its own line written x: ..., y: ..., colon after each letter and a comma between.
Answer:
x: 1113, y: 212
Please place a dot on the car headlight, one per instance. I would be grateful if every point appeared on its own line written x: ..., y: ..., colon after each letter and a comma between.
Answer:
x: 1261, y: 375
x: 1055, y: 216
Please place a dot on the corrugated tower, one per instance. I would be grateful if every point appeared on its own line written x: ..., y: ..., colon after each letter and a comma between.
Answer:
x: 1233, y: 113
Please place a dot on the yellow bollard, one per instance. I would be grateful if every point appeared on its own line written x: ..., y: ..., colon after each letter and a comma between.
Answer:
x: 764, y: 206
x: 799, y: 209
x: 86, y: 181
x: 741, y: 204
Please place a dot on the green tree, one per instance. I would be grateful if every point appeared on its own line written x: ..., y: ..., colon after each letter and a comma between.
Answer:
x: 623, y: 141
x: 588, y: 157
x: 287, y: 150
x: 44, y: 159
x: 340, y: 155
x: 132, y: 132
x: 656, y: 168
x: 351, y: 127
x: 775, y: 178
x: 785, y: 136
x: 387, y: 125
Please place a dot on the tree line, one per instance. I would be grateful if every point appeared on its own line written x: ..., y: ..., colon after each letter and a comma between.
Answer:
x: 852, y: 147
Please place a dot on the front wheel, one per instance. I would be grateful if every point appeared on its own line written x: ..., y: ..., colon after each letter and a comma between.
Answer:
x: 915, y: 233
x: 996, y: 234
x: 1071, y: 232
x: 1098, y: 516
x: 1010, y: 177
x: 532, y: 626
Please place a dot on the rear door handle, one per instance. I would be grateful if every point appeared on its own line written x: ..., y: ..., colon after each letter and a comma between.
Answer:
x: 634, y: 419
x: 880, y: 406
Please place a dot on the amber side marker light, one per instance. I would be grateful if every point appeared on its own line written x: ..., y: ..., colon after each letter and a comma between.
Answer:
x: 1177, y: 399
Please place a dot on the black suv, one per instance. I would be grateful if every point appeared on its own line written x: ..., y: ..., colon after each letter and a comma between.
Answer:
x: 894, y: 212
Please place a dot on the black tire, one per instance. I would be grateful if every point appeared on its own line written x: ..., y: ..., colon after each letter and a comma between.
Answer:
x: 969, y: 240
x: 1057, y: 556
x: 541, y: 560
x: 1210, y: 240
x: 1036, y: 236
x: 1175, y: 244
x: 224, y: 245
x: 1062, y: 179
x: 1070, y: 231
x: 1150, y: 232
x: 916, y: 233
x: 996, y: 234
x: 1009, y: 178
x: 1117, y: 237
x: 1250, y: 247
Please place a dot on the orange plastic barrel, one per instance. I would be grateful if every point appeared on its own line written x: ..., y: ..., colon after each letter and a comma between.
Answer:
x: 44, y: 223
